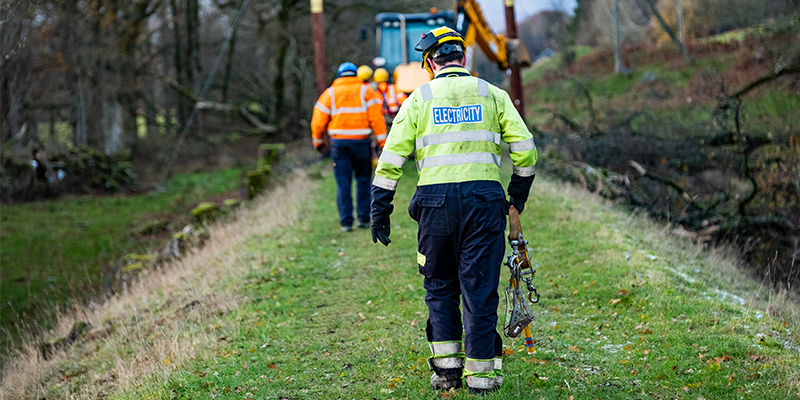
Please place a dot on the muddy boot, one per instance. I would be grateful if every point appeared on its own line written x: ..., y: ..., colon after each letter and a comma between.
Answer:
x: 449, y: 379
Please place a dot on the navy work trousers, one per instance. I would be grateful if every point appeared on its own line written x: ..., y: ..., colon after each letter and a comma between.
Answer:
x: 461, y: 244
x: 352, y: 157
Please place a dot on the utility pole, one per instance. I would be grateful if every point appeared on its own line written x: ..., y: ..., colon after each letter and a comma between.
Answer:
x: 680, y: 21
x: 320, y: 64
x: 318, y: 34
x: 617, y: 55
x: 514, y: 80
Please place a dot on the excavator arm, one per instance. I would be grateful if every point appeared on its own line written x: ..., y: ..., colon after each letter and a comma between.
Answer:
x: 476, y: 30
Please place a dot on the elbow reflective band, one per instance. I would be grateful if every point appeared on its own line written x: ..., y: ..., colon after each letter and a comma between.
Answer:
x: 382, y: 136
x: 394, y: 159
x: 462, y: 136
x: 458, y: 159
x: 322, y: 108
x: 524, y: 145
x: 525, y: 171
x: 318, y: 141
x: 385, y: 183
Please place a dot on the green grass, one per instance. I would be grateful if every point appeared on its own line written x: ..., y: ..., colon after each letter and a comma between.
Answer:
x: 57, y: 250
x: 538, y: 70
x: 625, y: 313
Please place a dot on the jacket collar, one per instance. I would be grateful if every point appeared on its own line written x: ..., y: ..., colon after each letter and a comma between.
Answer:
x: 452, y: 70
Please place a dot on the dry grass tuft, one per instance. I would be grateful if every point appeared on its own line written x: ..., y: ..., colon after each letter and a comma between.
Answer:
x: 158, y: 322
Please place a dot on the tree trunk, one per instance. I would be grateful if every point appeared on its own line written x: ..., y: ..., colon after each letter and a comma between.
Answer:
x: 671, y: 34
x: 178, y: 64
x: 226, y: 80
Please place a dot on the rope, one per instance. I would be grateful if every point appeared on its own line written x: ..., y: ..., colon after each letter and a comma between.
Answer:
x: 206, y: 86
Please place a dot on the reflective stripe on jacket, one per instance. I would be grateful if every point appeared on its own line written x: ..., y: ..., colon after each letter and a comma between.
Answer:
x: 349, y: 109
x: 454, y: 126
x: 392, y: 99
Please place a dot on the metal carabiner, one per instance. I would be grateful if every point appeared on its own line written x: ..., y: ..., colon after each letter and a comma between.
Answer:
x: 531, y: 299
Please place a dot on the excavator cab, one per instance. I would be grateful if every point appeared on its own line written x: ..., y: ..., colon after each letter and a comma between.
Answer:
x: 397, y: 34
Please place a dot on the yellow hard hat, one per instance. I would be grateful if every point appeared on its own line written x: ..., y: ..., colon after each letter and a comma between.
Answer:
x: 364, y: 72
x: 441, y: 40
x: 381, y: 75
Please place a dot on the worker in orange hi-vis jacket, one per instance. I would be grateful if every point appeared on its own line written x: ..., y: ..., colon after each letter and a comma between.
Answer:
x: 390, y: 96
x: 349, y: 112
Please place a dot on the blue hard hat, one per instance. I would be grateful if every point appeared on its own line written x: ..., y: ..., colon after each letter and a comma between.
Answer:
x: 346, y: 69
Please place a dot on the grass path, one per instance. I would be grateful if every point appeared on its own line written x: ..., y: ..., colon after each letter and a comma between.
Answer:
x: 299, y: 310
x: 330, y: 315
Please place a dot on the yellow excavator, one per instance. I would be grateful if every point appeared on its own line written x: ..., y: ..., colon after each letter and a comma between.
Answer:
x: 396, y: 35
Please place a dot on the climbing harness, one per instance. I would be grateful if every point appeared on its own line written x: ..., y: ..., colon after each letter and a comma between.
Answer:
x: 518, y: 314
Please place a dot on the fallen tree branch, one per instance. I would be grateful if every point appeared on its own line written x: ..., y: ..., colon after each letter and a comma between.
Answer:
x: 788, y: 70
x: 669, y: 182
x: 214, y: 106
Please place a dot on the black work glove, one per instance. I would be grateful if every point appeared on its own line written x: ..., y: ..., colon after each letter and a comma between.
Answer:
x: 517, y: 203
x: 380, y: 231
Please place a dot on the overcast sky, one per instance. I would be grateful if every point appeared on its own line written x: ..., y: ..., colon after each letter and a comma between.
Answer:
x: 495, y: 11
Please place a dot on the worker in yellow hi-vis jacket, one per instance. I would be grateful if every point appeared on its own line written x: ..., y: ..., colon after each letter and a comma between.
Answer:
x: 454, y: 125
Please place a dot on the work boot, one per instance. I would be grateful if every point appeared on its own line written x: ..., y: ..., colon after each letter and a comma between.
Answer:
x: 480, y: 392
x: 363, y: 225
x: 450, y: 379
x: 347, y: 229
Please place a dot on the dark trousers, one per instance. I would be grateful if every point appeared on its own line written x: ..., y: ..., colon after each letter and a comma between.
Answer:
x: 352, y: 157
x: 461, y: 242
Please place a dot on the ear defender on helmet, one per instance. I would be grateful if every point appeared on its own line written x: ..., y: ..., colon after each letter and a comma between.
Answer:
x: 438, y: 41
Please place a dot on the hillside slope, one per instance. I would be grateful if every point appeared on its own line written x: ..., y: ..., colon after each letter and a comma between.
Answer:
x: 281, y: 305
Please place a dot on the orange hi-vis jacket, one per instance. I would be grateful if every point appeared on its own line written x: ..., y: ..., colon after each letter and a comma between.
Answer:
x: 349, y: 109
x: 391, y: 98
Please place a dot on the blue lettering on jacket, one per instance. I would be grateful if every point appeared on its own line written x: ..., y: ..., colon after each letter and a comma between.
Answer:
x: 457, y: 115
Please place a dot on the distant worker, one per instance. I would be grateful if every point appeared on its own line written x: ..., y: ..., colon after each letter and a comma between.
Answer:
x: 364, y: 73
x: 349, y: 111
x: 392, y: 98
x: 454, y: 125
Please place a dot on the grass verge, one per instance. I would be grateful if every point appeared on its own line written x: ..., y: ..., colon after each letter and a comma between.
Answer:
x: 56, y: 251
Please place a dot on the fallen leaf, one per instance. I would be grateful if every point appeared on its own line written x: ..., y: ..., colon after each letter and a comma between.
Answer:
x: 574, y: 292
x: 614, y: 301
x: 622, y: 292
x: 222, y: 338
x: 623, y: 361
x: 574, y: 348
x: 628, y: 347
x: 508, y: 352
x: 362, y: 316
x: 444, y: 395
x: 646, y: 352
x: 555, y: 309
x: 271, y: 366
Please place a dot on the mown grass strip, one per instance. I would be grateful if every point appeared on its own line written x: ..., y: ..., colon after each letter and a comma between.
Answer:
x: 624, y: 313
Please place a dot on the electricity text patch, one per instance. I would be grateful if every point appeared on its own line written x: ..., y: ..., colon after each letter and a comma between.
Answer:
x: 457, y: 115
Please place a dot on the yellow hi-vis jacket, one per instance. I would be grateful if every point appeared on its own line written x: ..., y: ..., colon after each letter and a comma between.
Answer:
x: 349, y: 109
x: 454, y: 125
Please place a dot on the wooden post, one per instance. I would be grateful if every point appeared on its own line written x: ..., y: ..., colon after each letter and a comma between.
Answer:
x: 515, y: 79
x: 680, y: 21
x: 320, y: 63
x: 617, y: 45
x: 318, y: 34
